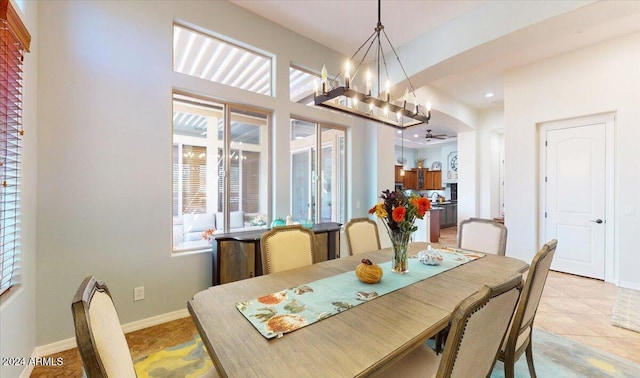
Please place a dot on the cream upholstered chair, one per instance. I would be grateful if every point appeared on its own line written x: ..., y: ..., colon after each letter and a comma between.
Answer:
x: 287, y: 247
x: 483, y: 235
x: 101, y: 341
x: 478, y: 327
x: 100, y: 338
x: 362, y: 235
x: 518, y: 338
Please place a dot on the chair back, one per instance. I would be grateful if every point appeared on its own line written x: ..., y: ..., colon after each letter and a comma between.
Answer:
x: 362, y: 235
x: 483, y: 235
x: 287, y: 247
x: 101, y: 341
x: 522, y: 322
x: 478, y: 327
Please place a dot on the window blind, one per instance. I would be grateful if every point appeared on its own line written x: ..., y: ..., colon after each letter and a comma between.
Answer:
x: 14, y: 42
x: 194, y: 179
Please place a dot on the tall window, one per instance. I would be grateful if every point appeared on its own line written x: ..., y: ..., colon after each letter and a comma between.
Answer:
x: 14, y: 42
x: 317, y: 172
x: 220, y: 169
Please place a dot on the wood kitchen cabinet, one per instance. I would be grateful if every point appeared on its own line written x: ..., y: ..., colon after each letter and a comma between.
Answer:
x: 410, y: 179
x: 398, y: 175
x: 433, y: 180
x: 428, y: 180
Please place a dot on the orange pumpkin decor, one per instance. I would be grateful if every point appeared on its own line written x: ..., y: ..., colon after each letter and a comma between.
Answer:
x: 368, y: 272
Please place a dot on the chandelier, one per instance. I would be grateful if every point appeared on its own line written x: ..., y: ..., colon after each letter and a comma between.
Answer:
x: 346, y: 98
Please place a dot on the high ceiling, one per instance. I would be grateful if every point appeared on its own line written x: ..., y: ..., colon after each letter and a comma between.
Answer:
x: 460, y: 48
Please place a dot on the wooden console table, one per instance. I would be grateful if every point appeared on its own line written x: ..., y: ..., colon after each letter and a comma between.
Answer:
x: 236, y: 255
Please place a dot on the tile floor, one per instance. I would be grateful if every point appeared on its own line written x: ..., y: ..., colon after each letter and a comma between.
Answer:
x: 573, y: 307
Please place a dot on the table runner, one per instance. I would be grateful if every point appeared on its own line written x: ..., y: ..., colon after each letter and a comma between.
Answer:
x: 290, y: 309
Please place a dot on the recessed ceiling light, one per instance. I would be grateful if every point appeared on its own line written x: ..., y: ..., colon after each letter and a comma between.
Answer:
x: 488, y: 95
x: 416, y: 135
x: 398, y: 131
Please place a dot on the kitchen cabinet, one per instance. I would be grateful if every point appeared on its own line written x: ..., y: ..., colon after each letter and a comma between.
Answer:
x: 449, y: 215
x: 426, y: 179
x: 410, y: 179
x: 433, y: 180
x: 398, y: 175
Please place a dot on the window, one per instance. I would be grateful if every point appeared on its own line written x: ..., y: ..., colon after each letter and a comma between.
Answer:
x: 303, y: 85
x: 200, y: 55
x: 317, y: 172
x: 220, y: 169
x: 14, y: 42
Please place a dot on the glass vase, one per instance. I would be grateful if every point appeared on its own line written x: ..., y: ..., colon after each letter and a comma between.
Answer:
x: 400, y: 244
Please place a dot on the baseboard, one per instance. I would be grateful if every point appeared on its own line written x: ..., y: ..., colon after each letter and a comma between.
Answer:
x: 629, y: 285
x: 59, y: 346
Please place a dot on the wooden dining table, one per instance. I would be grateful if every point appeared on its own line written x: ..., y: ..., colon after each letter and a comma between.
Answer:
x: 356, y: 342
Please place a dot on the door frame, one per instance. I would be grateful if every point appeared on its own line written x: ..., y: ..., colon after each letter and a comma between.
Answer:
x: 611, y: 259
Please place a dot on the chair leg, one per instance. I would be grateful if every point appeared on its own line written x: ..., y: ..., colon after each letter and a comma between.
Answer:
x: 529, y: 353
x: 509, y: 368
x: 441, y: 337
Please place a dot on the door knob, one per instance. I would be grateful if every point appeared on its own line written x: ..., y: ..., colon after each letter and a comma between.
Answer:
x: 598, y: 221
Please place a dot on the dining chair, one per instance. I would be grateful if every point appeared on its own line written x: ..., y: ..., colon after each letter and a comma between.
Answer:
x: 518, y: 338
x: 101, y: 341
x: 478, y: 326
x: 287, y: 247
x: 483, y: 235
x: 362, y: 235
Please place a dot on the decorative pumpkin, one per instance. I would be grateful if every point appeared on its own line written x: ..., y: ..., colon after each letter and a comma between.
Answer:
x: 368, y: 272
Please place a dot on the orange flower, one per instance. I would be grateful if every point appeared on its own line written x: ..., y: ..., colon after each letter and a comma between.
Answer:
x: 422, y: 205
x: 399, y: 213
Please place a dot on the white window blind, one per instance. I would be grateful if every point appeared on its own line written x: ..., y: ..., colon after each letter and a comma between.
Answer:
x: 14, y: 42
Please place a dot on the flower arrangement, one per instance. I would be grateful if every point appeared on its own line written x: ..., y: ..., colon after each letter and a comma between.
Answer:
x: 399, y: 212
x: 208, y: 234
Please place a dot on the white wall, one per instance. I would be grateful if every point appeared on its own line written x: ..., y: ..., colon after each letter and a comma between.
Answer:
x: 104, y: 152
x: 18, y: 306
x: 598, y: 79
x: 490, y: 140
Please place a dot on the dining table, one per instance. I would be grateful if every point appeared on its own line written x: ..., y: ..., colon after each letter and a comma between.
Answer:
x: 360, y: 341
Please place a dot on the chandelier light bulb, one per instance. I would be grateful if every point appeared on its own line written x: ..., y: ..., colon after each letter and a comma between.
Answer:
x: 324, y: 78
x: 368, y: 83
x: 347, y: 74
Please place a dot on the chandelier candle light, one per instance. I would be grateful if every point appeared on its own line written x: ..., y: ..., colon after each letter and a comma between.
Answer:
x: 346, y: 99
x: 399, y: 213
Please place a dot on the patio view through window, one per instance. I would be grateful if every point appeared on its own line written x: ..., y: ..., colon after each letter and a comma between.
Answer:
x: 220, y: 170
x: 317, y: 172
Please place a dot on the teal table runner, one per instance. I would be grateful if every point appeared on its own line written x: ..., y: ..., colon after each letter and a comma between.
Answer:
x: 290, y: 309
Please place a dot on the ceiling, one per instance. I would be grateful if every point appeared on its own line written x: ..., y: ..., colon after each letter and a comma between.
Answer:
x: 468, y: 69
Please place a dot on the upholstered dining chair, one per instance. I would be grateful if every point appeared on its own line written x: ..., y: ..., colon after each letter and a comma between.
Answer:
x: 101, y: 341
x: 362, y: 235
x: 478, y: 327
x: 287, y: 247
x: 518, y: 339
x: 483, y: 235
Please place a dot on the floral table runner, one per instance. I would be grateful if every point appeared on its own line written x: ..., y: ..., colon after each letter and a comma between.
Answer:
x: 287, y: 310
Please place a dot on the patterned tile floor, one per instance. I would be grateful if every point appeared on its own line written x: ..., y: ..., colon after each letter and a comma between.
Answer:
x: 573, y: 307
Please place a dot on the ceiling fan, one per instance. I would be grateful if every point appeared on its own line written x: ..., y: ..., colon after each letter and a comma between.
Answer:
x: 430, y: 136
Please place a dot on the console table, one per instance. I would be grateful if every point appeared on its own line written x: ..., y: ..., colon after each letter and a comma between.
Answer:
x: 236, y: 255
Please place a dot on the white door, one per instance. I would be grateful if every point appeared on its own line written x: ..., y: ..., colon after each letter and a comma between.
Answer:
x: 575, y: 195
